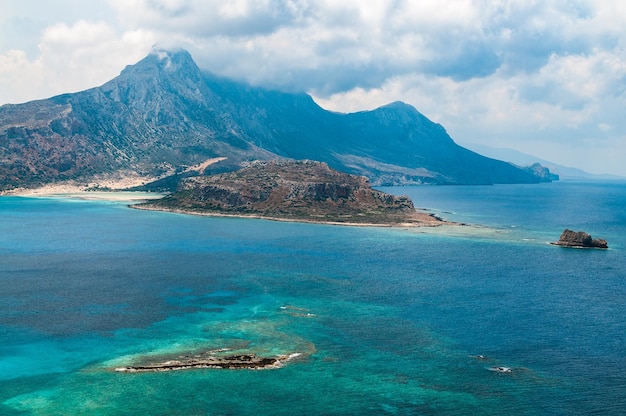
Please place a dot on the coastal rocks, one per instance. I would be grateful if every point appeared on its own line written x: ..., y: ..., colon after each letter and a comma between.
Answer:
x: 210, y: 360
x: 500, y: 369
x: 495, y: 368
x: 579, y: 239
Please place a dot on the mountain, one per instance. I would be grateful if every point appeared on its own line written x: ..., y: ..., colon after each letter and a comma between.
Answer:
x: 294, y: 191
x: 163, y: 115
x: 525, y: 159
x: 541, y: 171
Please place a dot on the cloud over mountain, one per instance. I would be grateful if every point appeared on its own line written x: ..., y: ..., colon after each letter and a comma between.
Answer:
x: 477, y: 67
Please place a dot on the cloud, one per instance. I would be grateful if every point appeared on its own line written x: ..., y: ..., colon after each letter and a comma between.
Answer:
x: 22, y: 22
x: 71, y: 58
x: 206, y: 18
x: 540, y: 76
x: 323, y: 45
x: 567, y: 111
x: 330, y: 46
x: 19, y: 78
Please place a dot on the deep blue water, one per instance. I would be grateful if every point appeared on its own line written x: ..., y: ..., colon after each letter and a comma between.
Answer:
x: 389, y: 321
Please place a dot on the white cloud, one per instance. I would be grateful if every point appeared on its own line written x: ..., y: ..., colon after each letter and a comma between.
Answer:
x: 71, y: 58
x: 566, y: 111
x: 326, y: 45
x: 205, y: 18
x: 544, y: 77
x: 20, y: 79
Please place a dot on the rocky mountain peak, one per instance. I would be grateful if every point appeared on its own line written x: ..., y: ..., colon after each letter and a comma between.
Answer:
x: 161, y: 60
x: 163, y: 84
x: 172, y: 60
x: 162, y: 70
x: 400, y: 106
x: 163, y: 115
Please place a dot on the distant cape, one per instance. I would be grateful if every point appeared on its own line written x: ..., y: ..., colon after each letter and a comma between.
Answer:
x: 163, y: 115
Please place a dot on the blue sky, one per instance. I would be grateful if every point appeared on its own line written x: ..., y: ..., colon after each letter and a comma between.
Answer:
x: 545, y: 77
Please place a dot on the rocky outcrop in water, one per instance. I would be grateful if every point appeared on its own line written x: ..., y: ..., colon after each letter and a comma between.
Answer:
x: 210, y: 359
x: 579, y: 239
x: 230, y: 362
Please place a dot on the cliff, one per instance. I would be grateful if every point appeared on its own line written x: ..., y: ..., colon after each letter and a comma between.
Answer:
x: 292, y: 190
x: 541, y: 172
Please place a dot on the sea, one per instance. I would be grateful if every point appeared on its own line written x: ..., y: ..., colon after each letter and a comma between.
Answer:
x: 486, y: 318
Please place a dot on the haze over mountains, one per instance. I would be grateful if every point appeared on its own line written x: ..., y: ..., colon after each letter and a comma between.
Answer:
x: 525, y: 159
x: 164, y: 114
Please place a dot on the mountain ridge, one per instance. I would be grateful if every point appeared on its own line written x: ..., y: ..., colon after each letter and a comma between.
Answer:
x: 164, y: 114
x: 524, y: 159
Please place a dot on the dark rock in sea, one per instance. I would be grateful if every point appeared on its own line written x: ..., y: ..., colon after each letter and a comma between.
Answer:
x: 580, y: 239
x: 501, y: 369
x: 211, y: 360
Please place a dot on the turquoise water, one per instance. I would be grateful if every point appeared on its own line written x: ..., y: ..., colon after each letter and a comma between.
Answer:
x: 386, y: 321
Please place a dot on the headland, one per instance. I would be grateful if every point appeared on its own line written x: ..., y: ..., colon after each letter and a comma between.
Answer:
x: 296, y: 191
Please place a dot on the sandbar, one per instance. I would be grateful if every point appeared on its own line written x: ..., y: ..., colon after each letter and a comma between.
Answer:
x: 71, y: 191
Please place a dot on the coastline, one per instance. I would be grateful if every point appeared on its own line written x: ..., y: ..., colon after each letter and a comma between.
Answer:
x: 71, y: 191
x: 104, y: 187
x: 421, y: 219
x: 134, y: 199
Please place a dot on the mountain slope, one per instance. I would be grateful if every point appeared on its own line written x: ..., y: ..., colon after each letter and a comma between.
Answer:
x: 163, y: 115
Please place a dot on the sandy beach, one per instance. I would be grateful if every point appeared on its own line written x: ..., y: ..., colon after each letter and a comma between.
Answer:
x: 89, y: 192
x: 113, y: 196
x: 106, y: 187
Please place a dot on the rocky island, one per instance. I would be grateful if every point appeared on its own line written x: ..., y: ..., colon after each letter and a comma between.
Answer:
x: 579, y: 239
x: 210, y: 360
x: 305, y: 191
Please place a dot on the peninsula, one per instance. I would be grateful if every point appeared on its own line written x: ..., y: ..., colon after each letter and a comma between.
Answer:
x: 303, y: 191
